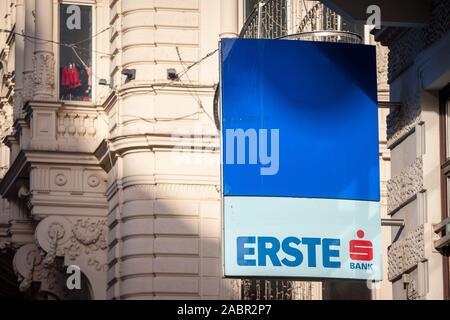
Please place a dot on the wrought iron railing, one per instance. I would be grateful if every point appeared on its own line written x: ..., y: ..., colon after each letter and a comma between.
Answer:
x: 267, y: 20
x: 310, y: 20
x: 328, y: 36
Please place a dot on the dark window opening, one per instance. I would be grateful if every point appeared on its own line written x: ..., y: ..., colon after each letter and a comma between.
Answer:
x: 445, y: 179
x: 75, y: 53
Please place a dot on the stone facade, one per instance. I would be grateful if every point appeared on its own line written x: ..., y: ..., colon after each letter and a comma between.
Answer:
x: 94, y: 184
x: 418, y: 70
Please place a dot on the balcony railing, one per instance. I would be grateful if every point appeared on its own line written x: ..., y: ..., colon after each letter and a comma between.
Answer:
x: 328, y: 36
x: 267, y: 20
x: 299, y: 20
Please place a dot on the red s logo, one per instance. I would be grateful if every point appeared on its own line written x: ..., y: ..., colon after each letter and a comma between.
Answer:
x: 361, y: 250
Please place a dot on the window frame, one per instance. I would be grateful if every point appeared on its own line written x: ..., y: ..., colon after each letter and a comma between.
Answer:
x: 444, y: 114
x: 93, y: 50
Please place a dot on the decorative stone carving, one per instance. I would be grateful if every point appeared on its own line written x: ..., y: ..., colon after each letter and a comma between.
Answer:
x: 6, y: 121
x: 91, y: 234
x: 18, y: 105
x: 382, y: 66
x: 44, y: 74
x: 81, y: 242
x: 183, y: 191
x: 402, y: 188
x: 60, y: 237
x: 439, y: 23
x: 411, y: 291
x: 28, y: 81
x: 403, y: 52
x: 401, y: 121
x: 93, y: 181
x: 4, y: 245
x: 405, y: 254
x: 170, y: 191
x: 60, y: 180
x: 406, y: 43
x: 77, y: 124
x: 56, y: 232
x: 53, y: 234
x: 30, y: 267
x: 25, y: 261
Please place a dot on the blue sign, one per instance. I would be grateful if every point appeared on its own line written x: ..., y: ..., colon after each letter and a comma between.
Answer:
x: 300, y: 172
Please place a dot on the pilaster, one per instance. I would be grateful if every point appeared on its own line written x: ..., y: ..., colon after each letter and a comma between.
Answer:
x: 44, y: 57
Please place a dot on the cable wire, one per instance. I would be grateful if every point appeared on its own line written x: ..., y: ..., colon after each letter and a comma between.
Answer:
x: 30, y: 38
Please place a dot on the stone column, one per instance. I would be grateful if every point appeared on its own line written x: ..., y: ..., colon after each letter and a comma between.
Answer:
x: 164, y: 220
x: 229, y: 14
x: 44, y: 69
x: 20, y: 48
x: 29, y: 51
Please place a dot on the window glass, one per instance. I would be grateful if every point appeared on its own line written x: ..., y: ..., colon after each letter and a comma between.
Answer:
x: 75, y: 52
x: 447, y: 127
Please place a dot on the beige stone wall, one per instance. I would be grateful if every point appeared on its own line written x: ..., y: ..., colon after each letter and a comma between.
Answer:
x: 99, y: 184
x: 418, y: 70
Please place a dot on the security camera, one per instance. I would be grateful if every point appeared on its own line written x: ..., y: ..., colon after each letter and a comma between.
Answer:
x: 130, y: 74
x: 172, y: 74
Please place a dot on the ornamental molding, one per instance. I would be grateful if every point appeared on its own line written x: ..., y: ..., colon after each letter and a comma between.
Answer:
x: 18, y: 104
x: 168, y: 191
x: 186, y: 191
x: 405, y: 254
x: 44, y: 74
x: 63, y: 242
x: 402, y: 121
x: 78, y: 180
x: 406, y: 44
x: 405, y: 186
x: 28, y: 82
x: 403, y: 51
x: 4, y: 245
x: 77, y: 125
x: 80, y: 241
x: 6, y: 121
x: 382, y: 67
x: 29, y: 266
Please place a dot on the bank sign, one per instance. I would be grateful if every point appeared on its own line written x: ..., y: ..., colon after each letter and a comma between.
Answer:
x: 300, y: 171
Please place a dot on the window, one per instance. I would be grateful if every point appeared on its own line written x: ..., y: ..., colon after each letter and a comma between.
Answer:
x: 75, y: 52
x: 445, y: 174
x: 445, y: 147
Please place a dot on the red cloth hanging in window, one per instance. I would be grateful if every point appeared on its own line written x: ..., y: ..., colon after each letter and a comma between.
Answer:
x: 65, y: 79
x: 70, y: 77
x: 74, y: 78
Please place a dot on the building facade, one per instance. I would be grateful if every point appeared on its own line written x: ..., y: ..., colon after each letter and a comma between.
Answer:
x: 110, y: 148
x: 89, y: 179
x: 417, y: 133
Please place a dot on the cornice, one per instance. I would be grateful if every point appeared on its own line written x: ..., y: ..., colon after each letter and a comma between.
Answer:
x: 387, y: 35
x: 14, y: 172
x: 28, y: 158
